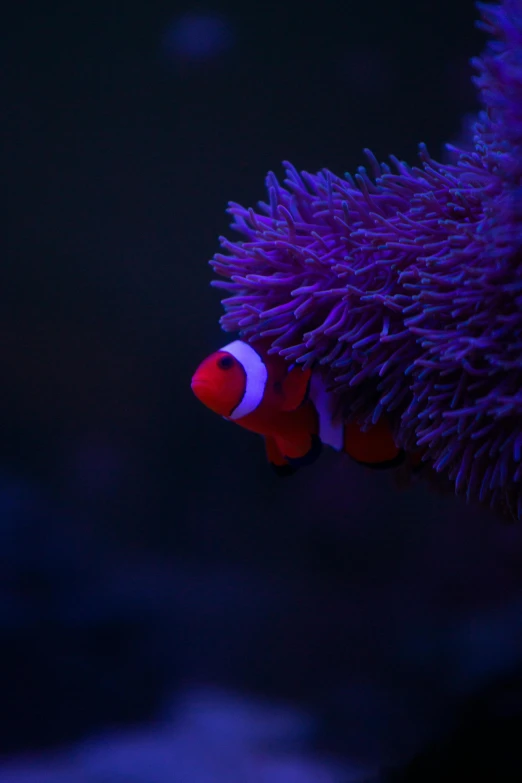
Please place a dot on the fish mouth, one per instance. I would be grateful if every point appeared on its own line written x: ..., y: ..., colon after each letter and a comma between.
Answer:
x: 196, y: 384
x: 202, y: 390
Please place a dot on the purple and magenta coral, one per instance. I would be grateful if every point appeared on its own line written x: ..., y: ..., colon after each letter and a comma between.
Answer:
x: 404, y: 285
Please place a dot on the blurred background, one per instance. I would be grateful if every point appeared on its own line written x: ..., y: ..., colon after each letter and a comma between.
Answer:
x: 169, y: 609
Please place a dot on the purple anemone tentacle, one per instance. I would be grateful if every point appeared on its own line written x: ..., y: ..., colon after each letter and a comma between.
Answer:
x: 403, y: 285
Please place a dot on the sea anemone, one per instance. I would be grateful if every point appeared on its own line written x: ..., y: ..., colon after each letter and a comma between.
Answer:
x: 403, y: 285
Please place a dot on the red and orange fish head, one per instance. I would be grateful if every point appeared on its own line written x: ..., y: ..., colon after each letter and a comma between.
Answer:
x: 219, y: 382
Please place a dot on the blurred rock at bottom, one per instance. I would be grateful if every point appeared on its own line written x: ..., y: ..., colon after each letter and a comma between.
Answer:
x: 206, y: 735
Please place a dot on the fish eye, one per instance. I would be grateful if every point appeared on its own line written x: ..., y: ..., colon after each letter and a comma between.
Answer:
x: 225, y: 362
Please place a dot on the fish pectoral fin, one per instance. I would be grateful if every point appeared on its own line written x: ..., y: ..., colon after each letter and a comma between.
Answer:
x: 295, y: 386
x: 301, y: 450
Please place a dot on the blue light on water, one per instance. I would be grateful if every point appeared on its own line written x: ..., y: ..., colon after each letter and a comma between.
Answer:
x: 197, y: 36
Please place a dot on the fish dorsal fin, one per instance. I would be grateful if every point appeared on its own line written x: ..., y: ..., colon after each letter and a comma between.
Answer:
x: 295, y: 385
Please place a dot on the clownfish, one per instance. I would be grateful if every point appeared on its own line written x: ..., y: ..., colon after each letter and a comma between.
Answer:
x: 290, y: 407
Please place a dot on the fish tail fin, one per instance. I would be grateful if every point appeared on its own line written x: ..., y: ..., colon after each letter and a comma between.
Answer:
x: 375, y: 448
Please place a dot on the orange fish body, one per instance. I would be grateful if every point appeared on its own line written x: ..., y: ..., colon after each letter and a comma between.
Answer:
x: 290, y: 408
